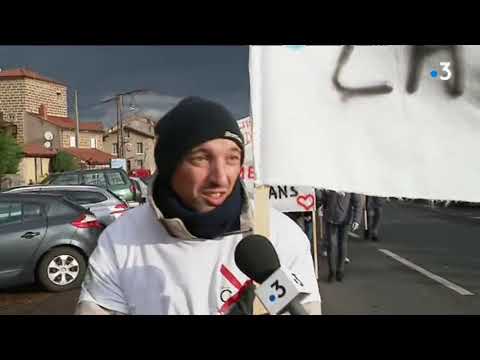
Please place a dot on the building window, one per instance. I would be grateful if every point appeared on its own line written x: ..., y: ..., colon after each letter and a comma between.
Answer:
x: 139, y: 148
x: 93, y: 143
x: 127, y: 133
x: 139, y: 164
x: 114, y: 148
x: 72, y: 141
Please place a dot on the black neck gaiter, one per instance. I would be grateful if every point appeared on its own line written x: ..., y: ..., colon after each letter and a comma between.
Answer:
x: 209, y: 225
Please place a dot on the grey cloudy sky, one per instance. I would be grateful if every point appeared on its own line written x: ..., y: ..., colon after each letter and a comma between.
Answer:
x: 215, y: 72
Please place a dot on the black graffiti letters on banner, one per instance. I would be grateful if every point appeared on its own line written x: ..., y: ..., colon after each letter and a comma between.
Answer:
x: 347, y: 91
x: 282, y: 192
x: 454, y: 86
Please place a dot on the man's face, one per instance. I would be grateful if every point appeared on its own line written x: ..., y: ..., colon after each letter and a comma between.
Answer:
x: 207, y: 174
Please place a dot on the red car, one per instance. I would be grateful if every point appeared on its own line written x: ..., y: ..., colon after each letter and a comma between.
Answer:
x: 141, y: 173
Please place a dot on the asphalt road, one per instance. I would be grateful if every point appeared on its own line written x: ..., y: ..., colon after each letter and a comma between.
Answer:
x: 34, y: 301
x: 441, y: 243
x: 444, y: 243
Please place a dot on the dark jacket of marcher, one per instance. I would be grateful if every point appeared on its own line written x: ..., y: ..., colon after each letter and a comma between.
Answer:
x: 374, y: 202
x: 340, y: 209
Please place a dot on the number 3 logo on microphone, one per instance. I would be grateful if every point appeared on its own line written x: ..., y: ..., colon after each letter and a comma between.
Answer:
x: 279, y: 289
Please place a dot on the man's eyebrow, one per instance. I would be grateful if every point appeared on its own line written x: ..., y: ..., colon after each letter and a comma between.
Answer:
x: 198, y: 150
x: 236, y: 149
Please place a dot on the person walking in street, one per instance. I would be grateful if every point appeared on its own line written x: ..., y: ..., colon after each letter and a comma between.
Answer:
x: 342, y: 212
x: 374, y: 209
x: 321, y: 221
x: 308, y: 226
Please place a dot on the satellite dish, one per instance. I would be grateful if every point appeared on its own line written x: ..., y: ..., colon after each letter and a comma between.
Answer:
x: 48, y: 135
x: 47, y: 144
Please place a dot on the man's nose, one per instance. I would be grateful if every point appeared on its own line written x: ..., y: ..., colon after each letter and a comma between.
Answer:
x: 218, y: 173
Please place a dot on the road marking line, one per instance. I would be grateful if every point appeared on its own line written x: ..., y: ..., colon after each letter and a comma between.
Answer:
x: 354, y: 235
x: 427, y: 273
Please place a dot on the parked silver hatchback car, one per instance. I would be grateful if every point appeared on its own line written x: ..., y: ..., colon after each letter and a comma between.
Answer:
x: 104, y: 204
x: 45, y: 238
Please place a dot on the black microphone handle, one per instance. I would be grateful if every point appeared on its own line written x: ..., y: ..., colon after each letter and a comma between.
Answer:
x: 295, y: 308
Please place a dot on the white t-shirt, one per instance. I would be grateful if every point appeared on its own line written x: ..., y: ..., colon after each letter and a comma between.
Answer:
x: 138, y: 268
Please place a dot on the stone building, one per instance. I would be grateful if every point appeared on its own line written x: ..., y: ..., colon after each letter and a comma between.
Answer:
x: 22, y: 91
x: 62, y: 129
x: 139, y: 143
x: 33, y: 109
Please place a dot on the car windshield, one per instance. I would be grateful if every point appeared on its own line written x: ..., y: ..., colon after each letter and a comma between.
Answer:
x: 115, y: 196
x: 115, y: 178
x: 75, y: 206
x: 95, y: 178
x: 66, y: 179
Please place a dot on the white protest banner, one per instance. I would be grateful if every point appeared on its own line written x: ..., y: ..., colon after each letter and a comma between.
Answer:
x: 292, y: 198
x: 399, y: 121
x: 247, y: 173
x: 283, y: 198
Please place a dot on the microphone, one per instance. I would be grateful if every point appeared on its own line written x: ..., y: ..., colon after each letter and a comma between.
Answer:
x: 280, y: 290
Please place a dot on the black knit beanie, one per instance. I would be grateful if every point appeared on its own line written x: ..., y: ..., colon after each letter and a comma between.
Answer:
x: 190, y: 123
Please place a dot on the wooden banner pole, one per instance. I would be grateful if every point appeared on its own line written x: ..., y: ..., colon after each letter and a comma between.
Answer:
x: 261, y: 226
x: 315, y: 247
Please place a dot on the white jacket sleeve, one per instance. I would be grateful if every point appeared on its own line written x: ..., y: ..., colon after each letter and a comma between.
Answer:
x: 101, y: 285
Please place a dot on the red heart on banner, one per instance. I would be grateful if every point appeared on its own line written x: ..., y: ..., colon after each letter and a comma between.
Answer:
x: 307, y: 202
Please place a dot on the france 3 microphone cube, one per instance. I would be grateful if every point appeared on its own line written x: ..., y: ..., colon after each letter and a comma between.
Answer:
x: 279, y: 290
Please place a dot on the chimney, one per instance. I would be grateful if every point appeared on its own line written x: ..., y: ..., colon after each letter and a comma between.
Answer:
x: 42, y: 111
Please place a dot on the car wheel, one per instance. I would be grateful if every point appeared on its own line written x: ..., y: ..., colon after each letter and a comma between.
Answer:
x: 61, y: 269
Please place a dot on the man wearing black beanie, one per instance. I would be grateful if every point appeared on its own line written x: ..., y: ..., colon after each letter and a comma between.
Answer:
x: 175, y: 254
x: 209, y: 203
